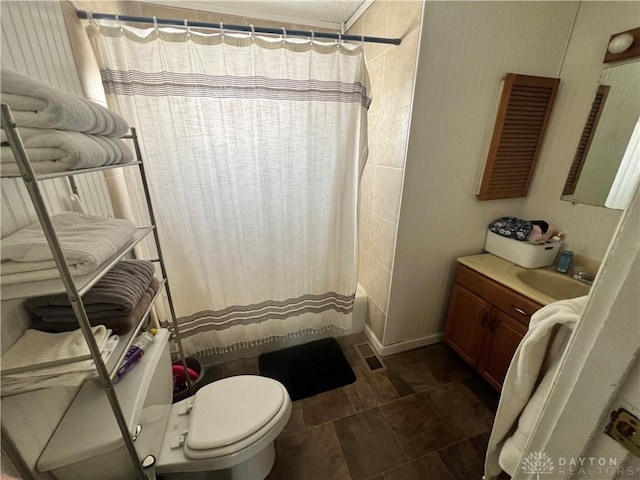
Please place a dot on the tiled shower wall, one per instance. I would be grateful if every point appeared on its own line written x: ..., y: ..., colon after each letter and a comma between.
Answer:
x: 392, y: 75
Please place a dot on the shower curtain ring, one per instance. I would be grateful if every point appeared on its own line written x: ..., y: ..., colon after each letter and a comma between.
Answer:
x: 155, y: 23
x: 339, y: 37
x: 119, y: 23
x: 313, y: 36
x: 186, y: 27
x: 284, y: 34
x: 222, y: 29
x: 253, y: 32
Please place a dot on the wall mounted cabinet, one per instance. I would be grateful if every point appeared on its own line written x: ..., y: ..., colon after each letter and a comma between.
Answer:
x: 523, y: 115
x: 485, y: 323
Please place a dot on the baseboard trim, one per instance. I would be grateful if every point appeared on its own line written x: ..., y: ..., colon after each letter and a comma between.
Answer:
x: 386, y: 350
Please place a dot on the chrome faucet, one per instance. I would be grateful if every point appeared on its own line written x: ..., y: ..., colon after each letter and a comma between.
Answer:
x: 583, y: 277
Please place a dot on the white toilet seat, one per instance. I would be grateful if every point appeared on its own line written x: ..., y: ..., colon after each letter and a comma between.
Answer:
x: 232, y: 413
x: 180, y: 457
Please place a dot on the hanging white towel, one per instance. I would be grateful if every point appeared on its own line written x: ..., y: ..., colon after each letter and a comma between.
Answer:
x: 534, y: 364
x: 86, y: 241
x: 56, y: 151
x: 38, y: 105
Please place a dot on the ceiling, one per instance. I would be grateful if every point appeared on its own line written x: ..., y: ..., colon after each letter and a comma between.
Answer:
x: 321, y: 13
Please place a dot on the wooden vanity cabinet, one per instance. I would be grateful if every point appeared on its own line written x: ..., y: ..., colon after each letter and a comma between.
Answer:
x: 485, y: 323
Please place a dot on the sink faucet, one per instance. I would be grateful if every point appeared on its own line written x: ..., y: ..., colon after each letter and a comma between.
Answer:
x: 583, y: 277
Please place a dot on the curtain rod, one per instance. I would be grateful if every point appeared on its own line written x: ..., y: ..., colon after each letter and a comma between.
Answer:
x: 83, y: 14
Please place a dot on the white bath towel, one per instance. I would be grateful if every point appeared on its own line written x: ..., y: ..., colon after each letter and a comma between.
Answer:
x: 36, y: 347
x: 38, y: 105
x: 528, y: 381
x: 86, y: 241
x: 57, y: 150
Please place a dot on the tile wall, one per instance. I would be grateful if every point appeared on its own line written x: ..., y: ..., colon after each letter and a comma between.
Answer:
x: 392, y: 75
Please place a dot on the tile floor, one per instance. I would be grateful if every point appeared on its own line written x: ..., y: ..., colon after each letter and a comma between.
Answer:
x: 426, y: 417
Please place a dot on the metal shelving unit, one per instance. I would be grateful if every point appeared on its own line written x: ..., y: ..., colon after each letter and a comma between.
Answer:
x: 76, y: 287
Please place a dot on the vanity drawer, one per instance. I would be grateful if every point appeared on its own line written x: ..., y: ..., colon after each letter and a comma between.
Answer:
x: 512, y: 303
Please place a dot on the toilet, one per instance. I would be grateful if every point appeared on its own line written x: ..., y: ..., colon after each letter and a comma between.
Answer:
x: 226, y: 431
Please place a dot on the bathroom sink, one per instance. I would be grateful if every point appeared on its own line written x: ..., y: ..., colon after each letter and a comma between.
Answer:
x: 553, y: 284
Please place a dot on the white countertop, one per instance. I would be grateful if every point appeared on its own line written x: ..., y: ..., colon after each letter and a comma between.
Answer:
x: 504, y: 272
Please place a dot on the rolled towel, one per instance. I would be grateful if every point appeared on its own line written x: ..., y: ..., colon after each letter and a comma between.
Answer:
x: 86, y: 241
x: 38, y: 105
x: 57, y: 150
x: 115, y: 294
x: 119, y: 324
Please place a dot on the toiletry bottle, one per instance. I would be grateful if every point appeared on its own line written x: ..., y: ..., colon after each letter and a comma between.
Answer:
x: 135, y: 352
x: 141, y: 342
x: 565, y: 261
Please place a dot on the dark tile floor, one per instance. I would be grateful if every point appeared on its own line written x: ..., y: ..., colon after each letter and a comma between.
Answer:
x: 427, y: 416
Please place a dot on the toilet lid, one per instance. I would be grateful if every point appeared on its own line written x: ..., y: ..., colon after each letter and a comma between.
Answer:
x: 231, y: 409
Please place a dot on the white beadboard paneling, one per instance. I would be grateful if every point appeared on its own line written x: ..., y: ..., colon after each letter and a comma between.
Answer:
x: 466, y: 49
x: 35, y: 43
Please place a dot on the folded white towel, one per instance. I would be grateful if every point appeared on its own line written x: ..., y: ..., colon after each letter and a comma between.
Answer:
x: 528, y: 380
x: 86, y: 241
x: 35, y: 104
x: 36, y: 347
x: 58, y: 150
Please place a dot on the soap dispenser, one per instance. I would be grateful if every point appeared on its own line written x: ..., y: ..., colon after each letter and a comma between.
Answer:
x: 565, y: 261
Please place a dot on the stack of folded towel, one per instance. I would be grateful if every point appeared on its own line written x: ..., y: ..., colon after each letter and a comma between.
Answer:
x: 86, y: 241
x: 118, y: 301
x: 60, y: 131
x: 20, y: 372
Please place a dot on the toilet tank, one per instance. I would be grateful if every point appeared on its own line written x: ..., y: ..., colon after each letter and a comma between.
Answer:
x: 88, y: 444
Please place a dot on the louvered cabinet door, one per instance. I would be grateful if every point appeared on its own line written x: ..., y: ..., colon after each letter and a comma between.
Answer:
x: 523, y: 115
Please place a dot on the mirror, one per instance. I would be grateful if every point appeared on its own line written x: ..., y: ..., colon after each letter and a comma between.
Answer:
x: 608, y: 153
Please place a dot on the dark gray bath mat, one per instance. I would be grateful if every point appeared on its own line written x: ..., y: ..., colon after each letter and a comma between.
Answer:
x: 309, y: 369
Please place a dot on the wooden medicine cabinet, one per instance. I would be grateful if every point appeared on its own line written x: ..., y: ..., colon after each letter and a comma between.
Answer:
x: 523, y: 114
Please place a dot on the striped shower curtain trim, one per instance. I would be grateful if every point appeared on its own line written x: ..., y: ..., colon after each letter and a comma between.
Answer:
x: 333, y: 330
x: 209, y: 320
x: 163, y: 83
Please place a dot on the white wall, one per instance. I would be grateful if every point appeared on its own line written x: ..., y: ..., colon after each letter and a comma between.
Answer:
x: 466, y: 49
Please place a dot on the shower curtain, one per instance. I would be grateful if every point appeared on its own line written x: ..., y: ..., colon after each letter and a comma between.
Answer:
x: 253, y: 148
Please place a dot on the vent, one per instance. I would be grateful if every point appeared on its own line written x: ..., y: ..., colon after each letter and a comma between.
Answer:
x: 523, y: 115
x: 585, y: 140
x: 371, y: 360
